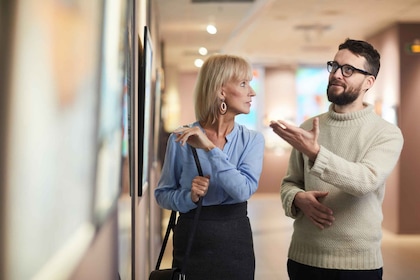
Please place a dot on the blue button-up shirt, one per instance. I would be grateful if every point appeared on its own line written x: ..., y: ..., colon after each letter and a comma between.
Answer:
x: 234, y: 171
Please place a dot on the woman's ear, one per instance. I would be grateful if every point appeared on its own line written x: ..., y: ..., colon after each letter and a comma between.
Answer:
x: 222, y: 94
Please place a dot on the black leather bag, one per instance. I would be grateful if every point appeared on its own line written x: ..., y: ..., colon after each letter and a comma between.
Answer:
x: 167, y: 274
x: 176, y: 273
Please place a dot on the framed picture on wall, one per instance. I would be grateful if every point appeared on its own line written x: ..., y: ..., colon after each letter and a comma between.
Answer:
x: 112, y: 108
x: 145, y: 116
x: 49, y: 211
x: 157, y: 112
x: 130, y: 74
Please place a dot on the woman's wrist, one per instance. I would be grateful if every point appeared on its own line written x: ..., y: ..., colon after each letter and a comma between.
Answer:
x: 209, y: 148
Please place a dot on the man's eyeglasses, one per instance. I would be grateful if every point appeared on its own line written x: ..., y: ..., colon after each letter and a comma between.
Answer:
x: 346, y: 70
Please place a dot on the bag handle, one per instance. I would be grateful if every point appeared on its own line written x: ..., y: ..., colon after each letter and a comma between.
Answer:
x: 196, y: 216
x: 171, y: 223
x: 170, y: 227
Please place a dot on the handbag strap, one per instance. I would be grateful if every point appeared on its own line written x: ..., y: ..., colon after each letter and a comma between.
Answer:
x: 196, y: 216
x: 171, y: 223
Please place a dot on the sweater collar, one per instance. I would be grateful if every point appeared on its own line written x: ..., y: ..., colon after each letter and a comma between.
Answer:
x: 361, y: 114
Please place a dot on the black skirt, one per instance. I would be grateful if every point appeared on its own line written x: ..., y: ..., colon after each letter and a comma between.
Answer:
x: 222, y: 247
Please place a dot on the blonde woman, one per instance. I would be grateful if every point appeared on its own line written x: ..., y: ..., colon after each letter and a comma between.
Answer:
x: 231, y: 157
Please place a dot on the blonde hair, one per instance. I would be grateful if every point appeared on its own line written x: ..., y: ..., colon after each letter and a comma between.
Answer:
x: 217, y: 70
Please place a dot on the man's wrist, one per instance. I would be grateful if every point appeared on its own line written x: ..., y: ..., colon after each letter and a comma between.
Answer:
x: 312, y: 157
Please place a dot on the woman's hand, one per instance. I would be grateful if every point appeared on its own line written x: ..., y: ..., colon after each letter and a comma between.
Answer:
x: 194, y: 136
x: 199, y: 187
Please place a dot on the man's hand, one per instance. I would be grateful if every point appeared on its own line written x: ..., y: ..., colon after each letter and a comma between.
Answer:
x: 308, y: 202
x: 302, y: 140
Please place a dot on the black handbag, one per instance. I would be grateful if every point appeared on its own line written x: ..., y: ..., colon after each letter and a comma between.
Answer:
x: 177, y: 273
x: 167, y: 274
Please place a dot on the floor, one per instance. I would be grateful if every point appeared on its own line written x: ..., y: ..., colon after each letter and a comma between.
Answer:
x: 272, y: 231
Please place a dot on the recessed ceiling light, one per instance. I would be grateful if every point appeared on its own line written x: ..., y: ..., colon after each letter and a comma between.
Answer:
x: 198, y: 62
x: 211, y: 29
x: 202, y: 51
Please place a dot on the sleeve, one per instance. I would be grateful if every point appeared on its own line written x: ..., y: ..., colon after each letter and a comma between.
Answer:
x: 292, y: 183
x: 367, y: 174
x: 168, y: 193
x: 240, y: 181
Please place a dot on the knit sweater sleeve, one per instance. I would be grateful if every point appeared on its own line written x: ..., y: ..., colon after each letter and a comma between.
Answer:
x: 365, y: 174
x: 292, y: 184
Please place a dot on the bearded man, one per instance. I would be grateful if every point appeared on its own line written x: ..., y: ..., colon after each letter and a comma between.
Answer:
x: 335, y: 182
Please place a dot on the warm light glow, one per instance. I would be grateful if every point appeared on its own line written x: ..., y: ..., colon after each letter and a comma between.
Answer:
x: 202, y: 51
x: 415, y: 48
x: 211, y: 29
x: 198, y: 62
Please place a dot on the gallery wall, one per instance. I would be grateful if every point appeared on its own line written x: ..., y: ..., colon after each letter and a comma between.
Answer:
x: 398, y: 88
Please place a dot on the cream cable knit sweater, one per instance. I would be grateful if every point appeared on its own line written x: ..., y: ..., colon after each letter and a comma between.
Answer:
x: 358, y: 152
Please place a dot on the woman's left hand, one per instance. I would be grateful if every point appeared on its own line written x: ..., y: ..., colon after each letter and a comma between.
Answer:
x: 199, y: 187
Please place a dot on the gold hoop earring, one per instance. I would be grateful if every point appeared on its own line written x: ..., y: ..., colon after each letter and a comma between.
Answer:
x: 223, y: 107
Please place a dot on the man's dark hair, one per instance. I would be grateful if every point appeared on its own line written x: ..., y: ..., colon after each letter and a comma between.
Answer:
x: 366, y: 50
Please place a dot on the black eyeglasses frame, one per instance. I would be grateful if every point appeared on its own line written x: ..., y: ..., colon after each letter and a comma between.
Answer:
x: 330, y: 67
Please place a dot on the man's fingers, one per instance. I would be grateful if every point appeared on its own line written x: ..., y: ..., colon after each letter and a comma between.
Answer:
x: 316, y: 223
x: 315, y: 124
x: 320, y: 194
x: 320, y: 222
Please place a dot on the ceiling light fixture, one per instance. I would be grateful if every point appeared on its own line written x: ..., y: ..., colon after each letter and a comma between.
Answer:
x: 312, y: 31
x: 202, y: 51
x: 198, y: 62
x: 211, y: 29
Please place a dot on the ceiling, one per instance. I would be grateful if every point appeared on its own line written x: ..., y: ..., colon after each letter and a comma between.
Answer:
x: 273, y: 32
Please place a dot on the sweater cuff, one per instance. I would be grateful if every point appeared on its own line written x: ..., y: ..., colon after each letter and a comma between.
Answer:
x: 321, y: 161
x: 187, y: 203
x: 290, y: 209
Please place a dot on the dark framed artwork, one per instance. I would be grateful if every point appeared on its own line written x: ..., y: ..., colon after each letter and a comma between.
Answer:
x: 145, y: 110
x: 130, y: 74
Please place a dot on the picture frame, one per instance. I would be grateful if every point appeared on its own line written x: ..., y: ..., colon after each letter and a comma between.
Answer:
x: 131, y: 72
x: 157, y: 113
x: 145, y: 110
x: 112, y: 92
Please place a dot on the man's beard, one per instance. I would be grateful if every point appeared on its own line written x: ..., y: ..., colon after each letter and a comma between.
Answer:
x: 347, y: 97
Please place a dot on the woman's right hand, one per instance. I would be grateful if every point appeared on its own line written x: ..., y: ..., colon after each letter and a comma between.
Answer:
x: 199, y: 187
x: 194, y: 136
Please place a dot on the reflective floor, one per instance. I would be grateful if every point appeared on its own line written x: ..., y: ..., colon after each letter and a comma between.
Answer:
x: 272, y: 231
